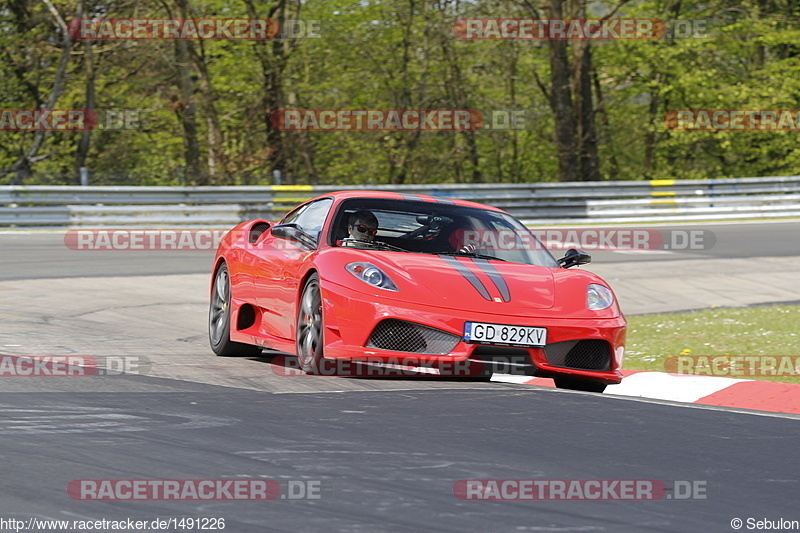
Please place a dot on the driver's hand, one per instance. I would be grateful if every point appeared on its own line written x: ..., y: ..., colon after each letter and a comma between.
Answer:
x: 467, y: 248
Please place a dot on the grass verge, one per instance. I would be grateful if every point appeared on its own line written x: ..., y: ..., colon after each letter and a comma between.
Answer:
x: 696, y: 339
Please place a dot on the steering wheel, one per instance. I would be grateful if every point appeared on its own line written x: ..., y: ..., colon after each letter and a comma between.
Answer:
x: 416, y: 233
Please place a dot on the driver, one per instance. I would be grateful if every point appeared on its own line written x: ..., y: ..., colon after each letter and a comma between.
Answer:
x: 363, y: 226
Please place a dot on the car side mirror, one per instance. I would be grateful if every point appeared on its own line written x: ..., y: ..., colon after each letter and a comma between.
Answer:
x: 574, y: 257
x: 292, y: 232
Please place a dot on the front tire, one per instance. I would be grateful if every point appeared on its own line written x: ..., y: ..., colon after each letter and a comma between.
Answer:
x: 580, y: 384
x: 310, y: 327
x: 219, y: 319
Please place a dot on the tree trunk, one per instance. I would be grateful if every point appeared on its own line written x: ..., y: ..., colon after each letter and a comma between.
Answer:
x: 217, y: 164
x: 650, y: 137
x: 86, y: 135
x: 185, y: 109
x: 460, y: 99
x: 605, y: 124
x: 561, y: 103
x: 584, y: 113
x: 272, y: 56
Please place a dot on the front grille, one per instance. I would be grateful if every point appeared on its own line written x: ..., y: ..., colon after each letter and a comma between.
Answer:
x: 587, y: 354
x: 402, y: 336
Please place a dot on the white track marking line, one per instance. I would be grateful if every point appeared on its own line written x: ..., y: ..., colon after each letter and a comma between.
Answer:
x: 661, y: 386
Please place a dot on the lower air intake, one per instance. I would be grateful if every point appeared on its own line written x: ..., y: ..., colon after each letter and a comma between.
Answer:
x: 587, y: 354
x: 402, y: 336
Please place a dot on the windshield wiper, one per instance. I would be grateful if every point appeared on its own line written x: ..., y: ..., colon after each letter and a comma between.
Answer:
x: 473, y: 253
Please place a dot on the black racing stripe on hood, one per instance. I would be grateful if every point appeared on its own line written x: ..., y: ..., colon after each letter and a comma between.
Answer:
x: 496, y: 277
x: 468, y: 274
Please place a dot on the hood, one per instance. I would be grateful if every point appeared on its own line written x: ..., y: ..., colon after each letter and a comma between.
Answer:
x: 470, y: 284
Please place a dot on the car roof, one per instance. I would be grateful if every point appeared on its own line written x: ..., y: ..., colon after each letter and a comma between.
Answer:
x: 413, y: 197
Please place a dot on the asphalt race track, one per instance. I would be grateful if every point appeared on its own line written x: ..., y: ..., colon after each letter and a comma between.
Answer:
x: 370, y: 455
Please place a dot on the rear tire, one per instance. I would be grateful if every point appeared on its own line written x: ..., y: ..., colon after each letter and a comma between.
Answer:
x: 309, y: 344
x: 580, y: 384
x: 219, y: 319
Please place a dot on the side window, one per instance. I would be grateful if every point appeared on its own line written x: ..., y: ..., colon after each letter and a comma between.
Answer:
x: 312, y: 217
x: 292, y: 216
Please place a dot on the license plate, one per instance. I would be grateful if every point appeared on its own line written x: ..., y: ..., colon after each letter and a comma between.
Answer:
x: 503, y: 334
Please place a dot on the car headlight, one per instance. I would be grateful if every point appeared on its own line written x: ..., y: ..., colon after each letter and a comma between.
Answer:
x: 599, y: 297
x: 372, y: 275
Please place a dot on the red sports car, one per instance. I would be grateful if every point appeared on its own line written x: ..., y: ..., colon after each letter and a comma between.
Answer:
x: 411, y: 281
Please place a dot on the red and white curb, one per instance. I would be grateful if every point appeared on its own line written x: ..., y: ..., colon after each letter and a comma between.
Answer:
x: 703, y: 390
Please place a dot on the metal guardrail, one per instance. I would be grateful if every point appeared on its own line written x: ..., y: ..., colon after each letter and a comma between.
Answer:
x: 534, y: 203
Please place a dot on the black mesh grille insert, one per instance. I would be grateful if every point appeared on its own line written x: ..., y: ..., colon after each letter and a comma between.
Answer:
x: 587, y: 354
x: 402, y: 336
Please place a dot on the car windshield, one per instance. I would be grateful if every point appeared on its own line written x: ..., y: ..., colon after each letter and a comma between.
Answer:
x: 441, y: 228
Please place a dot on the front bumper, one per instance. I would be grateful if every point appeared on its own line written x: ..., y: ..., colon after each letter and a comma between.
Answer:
x: 351, y: 318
